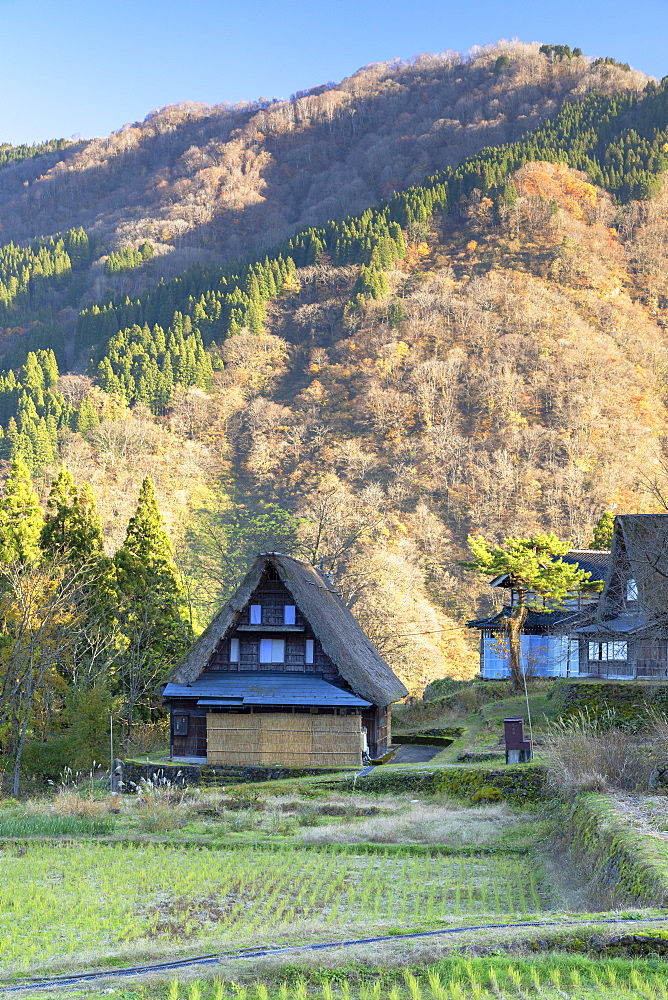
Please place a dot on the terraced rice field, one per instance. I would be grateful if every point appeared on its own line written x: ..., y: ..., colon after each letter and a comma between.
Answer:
x: 61, y: 900
x: 548, y: 978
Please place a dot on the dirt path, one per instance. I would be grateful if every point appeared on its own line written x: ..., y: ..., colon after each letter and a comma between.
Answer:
x: 415, y: 755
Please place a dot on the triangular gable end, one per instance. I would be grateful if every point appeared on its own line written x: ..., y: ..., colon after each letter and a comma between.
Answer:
x: 639, y: 554
x: 612, y: 601
x: 340, y: 635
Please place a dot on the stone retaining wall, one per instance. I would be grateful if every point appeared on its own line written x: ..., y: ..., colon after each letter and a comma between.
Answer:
x: 175, y: 773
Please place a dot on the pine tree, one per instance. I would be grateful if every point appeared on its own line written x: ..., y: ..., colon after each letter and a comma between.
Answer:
x: 150, y: 609
x: 603, y: 531
x: 538, y: 576
x: 21, y: 517
x: 86, y: 416
x: 146, y: 572
x: 72, y: 526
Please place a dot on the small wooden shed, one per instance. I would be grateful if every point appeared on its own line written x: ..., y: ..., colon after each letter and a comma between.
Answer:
x: 283, y: 675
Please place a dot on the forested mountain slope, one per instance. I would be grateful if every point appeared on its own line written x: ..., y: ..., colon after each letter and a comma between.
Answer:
x: 223, y: 181
x: 512, y: 380
x: 482, y: 348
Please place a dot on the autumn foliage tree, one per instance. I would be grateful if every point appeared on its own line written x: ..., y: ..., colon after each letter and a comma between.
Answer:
x: 42, y: 610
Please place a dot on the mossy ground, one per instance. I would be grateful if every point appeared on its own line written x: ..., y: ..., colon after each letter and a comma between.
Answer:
x: 620, y: 866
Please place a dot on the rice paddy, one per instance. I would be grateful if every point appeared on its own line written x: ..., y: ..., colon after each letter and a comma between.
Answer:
x: 57, y: 900
x: 286, y: 869
x: 558, y: 977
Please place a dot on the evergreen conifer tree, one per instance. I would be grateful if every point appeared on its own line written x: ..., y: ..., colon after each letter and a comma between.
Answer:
x: 603, y: 531
x: 72, y: 526
x: 21, y: 517
x: 86, y: 416
x: 146, y: 573
x: 150, y: 609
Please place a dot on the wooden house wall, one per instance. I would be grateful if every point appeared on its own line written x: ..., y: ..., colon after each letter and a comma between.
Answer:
x: 193, y: 744
x: 272, y: 595
x: 651, y: 657
x: 378, y: 731
x: 289, y: 739
x: 646, y: 658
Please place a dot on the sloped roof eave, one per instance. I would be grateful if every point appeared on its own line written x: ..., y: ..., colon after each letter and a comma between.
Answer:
x: 338, y: 631
x: 264, y: 688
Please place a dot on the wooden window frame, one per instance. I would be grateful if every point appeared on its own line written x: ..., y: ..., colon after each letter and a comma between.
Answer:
x: 608, y: 651
x: 272, y: 648
x: 181, y: 724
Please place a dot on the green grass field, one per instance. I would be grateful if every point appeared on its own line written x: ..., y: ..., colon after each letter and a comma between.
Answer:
x: 62, y: 900
x: 95, y: 881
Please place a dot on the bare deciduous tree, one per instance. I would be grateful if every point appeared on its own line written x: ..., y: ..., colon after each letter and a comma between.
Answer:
x: 46, y: 619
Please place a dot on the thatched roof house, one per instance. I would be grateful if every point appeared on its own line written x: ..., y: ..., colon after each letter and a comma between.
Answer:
x: 628, y: 636
x: 283, y: 675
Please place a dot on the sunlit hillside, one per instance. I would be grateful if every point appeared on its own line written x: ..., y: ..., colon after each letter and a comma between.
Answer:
x: 482, y: 349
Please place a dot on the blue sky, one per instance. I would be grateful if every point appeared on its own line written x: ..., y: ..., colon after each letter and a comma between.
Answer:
x: 87, y: 67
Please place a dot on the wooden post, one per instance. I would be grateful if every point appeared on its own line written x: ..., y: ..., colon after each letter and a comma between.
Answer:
x: 112, y: 762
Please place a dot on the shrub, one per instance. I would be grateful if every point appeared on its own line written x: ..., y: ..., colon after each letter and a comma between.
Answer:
x: 68, y: 802
x: 47, y: 759
x: 160, y: 806
x: 587, y: 753
x: 149, y: 738
x: 158, y: 817
x: 442, y: 687
x: 83, y: 742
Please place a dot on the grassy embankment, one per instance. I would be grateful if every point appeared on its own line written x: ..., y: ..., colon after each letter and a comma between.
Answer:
x: 91, y: 880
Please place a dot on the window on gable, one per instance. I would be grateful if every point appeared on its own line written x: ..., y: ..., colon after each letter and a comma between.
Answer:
x: 631, y: 590
x: 289, y: 612
x: 309, y: 650
x: 272, y: 650
x: 234, y: 650
x: 255, y: 614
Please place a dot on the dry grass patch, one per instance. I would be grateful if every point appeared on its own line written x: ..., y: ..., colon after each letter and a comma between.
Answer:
x: 70, y: 802
x: 647, y: 813
x: 421, y: 823
x: 588, y: 754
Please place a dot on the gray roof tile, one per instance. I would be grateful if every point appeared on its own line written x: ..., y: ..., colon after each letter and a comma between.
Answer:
x: 265, y: 688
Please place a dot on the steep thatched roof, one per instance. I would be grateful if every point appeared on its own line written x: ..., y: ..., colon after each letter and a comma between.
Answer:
x: 340, y: 634
x: 640, y: 553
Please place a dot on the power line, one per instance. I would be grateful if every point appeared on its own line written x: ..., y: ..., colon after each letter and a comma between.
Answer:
x: 433, y: 631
